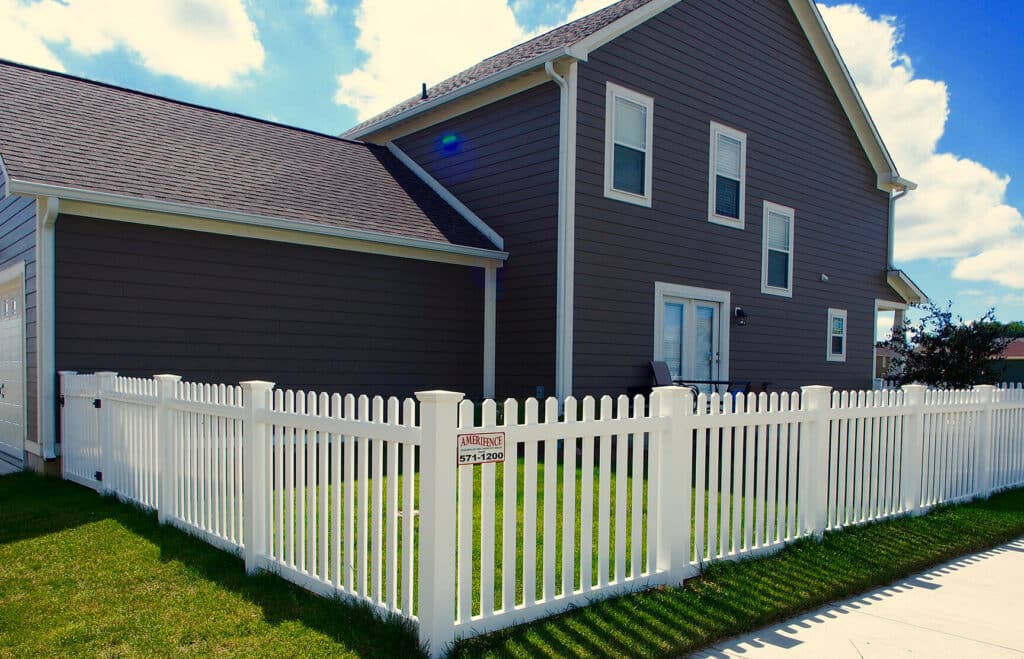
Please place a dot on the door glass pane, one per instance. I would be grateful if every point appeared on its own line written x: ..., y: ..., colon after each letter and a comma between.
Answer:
x: 704, y: 350
x: 672, y: 348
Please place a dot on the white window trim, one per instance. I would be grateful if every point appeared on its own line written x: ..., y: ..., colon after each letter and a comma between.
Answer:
x: 612, y: 92
x: 714, y: 218
x: 769, y: 207
x: 664, y: 290
x: 829, y: 355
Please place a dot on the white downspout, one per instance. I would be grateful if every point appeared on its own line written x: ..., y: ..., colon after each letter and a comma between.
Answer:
x: 46, y: 344
x: 892, y: 225
x: 564, y: 296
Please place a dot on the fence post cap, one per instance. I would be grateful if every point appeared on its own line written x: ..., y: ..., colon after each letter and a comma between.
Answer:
x: 816, y: 388
x: 166, y: 377
x: 439, y: 396
x: 256, y: 385
x: 914, y: 387
x: 986, y: 387
x: 106, y: 374
x: 67, y: 372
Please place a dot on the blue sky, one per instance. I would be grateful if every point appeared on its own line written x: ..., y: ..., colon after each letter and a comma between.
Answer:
x: 324, y: 64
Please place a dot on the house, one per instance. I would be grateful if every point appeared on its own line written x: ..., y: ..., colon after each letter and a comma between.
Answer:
x: 693, y: 182
x: 1009, y: 364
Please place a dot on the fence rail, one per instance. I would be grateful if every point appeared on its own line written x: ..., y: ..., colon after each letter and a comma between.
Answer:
x: 364, y: 497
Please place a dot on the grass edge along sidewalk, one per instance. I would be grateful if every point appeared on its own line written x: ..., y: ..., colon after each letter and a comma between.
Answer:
x: 165, y: 592
x: 732, y: 598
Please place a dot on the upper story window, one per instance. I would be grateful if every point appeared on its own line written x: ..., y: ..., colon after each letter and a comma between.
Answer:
x: 628, y: 136
x: 836, y: 350
x: 727, y: 177
x: 777, y: 250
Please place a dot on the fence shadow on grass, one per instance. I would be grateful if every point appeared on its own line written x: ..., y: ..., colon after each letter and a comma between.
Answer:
x: 33, y: 506
x: 736, y: 597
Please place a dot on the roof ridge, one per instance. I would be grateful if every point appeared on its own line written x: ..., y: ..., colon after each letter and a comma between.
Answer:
x: 174, y: 101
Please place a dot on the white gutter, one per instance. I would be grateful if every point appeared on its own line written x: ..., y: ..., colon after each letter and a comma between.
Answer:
x: 137, y: 203
x: 565, y: 287
x: 356, y: 132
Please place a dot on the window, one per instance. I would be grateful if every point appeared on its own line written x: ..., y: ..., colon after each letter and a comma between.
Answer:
x: 726, y: 185
x: 628, y: 136
x: 836, y: 349
x: 777, y: 250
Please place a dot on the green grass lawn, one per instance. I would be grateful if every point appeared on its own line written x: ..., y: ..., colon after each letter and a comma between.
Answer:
x: 85, y: 575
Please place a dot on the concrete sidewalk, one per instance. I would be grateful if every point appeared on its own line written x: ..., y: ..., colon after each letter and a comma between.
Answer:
x: 971, y: 607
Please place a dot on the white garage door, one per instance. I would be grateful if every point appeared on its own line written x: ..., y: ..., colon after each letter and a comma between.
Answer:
x: 12, y: 364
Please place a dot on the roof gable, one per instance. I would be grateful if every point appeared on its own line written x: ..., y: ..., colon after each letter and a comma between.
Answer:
x: 71, y: 134
x: 577, y: 39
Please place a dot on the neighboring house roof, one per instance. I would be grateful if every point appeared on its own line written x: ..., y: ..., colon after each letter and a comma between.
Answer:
x: 1015, y: 350
x: 554, y: 41
x: 577, y: 39
x: 69, y: 134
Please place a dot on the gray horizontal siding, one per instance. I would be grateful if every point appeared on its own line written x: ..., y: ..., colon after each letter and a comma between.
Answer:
x: 507, y: 173
x: 142, y: 300
x: 18, y: 243
x: 746, y: 64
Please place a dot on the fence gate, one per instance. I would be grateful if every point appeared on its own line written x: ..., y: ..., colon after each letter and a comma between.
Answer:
x: 81, y: 452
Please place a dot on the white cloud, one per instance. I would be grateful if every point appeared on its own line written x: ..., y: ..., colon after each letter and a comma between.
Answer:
x: 208, y: 43
x: 409, y: 42
x: 960, y: 210
x: 319, y: 8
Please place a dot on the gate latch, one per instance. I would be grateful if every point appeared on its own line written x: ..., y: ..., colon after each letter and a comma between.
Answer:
x: 97, y: 403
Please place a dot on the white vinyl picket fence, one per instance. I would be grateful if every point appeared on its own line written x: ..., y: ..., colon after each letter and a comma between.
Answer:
x: 364, y: 498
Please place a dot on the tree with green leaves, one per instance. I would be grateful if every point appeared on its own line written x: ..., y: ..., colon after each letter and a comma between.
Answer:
x: 945, y: 351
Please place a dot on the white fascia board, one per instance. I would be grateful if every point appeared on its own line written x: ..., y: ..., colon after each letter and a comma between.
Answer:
x: 582, y: 48
x: 438, y: 101
x: 42, y: 190
x: 842, y: 82
x: 445, y: 194
x: 905, y: 286
x: 4, y: 177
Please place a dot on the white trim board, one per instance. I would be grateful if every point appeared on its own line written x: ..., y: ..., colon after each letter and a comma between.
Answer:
x: 445, y: 194
x: 663, y: 290
x: 105, y: 205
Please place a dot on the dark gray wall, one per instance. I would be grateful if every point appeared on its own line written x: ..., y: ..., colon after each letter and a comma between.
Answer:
x: 746, y: 64
x: 142, y: 300
x: 502, y: 162
x: 18, y: 243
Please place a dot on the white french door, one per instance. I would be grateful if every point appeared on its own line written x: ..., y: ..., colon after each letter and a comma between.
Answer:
x: 691, y: 334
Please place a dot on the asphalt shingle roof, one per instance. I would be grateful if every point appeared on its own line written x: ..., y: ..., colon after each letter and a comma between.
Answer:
x: 66, y: 131
x: 560, y: 37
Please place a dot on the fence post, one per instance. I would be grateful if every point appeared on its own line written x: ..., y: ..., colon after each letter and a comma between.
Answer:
x: 106, y: 381
x: 987, y: 394
x: 674, y: 469
x: 814, y: 439
x: 255, y: 399
x: 438, y: 456
x: 913, y: 447
x: 167, y: 463
x: 65, y: 381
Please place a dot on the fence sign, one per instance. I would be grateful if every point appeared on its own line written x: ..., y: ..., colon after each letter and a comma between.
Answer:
x: 478, y: 448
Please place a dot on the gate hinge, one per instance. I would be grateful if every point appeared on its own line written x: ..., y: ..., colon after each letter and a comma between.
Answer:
x: 61, y: 400
x: 97, y: 403
x: 99, y: 476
